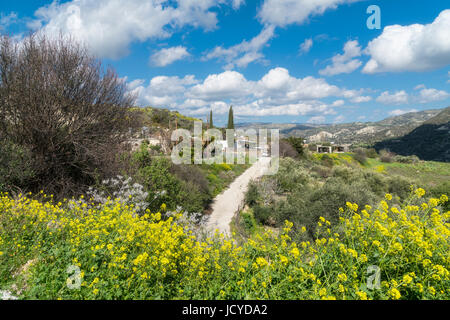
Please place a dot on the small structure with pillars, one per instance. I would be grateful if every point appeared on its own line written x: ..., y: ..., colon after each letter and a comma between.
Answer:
x: 332, y: 149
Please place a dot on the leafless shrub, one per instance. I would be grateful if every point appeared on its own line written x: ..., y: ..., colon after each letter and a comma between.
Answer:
x: 57, y: 101
x: 386, y: 156
x: 287, y: 150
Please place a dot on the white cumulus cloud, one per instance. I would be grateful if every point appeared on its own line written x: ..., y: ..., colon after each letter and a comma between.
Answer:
x: 276, y: 93
x: 346, y: 62
x: 306, y: 45
x: 108, y: 27
x: 242, y: 54
x: 168, y: 56
x: 399, y: 112
x: 431, y: 95
x: 361, y: 99
x: 398, y: 97
x: 415, y: 47
x: 284, y: 12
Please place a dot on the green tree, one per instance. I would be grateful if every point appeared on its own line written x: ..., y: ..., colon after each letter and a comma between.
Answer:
x: 230, y: 119
x: 211, y: 124
x: 297, y: 143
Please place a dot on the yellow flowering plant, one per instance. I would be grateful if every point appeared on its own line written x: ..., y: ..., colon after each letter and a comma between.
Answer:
x: 122, y: 255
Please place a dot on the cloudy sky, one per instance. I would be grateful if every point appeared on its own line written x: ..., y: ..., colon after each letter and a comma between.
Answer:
x: 301, y: 61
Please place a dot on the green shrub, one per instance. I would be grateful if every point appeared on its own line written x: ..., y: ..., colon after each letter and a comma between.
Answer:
x: 399, y: 186
x: 16, y: 169
x: 141, y: 157
x: 252, y: 195
x: 297, y: 143
x: 121, y: 255
x: 156, y: 148
x: 360, y: 155
x: 262, y: 214
x: 406, y: 159
x: 372, y: 153
x: 290, y: 175
x: 248, y: 222
x: 334, y: 194
x: 327, y: 160
x: 443, y: 188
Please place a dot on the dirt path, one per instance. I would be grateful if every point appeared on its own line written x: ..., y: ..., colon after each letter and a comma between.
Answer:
x: 229, y: 202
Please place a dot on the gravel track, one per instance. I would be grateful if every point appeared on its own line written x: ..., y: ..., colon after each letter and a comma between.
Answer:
x: 229, y: 202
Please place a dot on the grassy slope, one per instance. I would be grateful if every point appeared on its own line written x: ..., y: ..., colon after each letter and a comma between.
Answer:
x: 429, y: 173
x: 426, y: 173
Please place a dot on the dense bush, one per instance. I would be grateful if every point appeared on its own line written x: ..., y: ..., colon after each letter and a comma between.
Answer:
x: 164, y: 187
x: 322, y: 171
x: 400, y: 186
x: 442, y: 188
x: 191, y: 174
x: 287, y: 150
x: 372, y: 153
x: 174, y: 185
x: 360, y: 155
x: 290, y: 175
x: 406, y: 159
x: 16, y: 166
x: 123, y: 256
x: 303, y: 195
x: 263, y: 214
x: 68, y: 112
x: 327, y: 160
x: 252, y: 195
x: 248, y: 222
x: 297, y: 143
x: 386, y: 156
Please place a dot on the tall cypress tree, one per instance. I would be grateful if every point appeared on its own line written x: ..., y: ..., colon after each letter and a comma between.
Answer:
x: 211, y: 125
x: 230, y: 119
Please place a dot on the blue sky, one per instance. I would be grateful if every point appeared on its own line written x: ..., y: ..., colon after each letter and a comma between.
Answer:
x: 287, y: 61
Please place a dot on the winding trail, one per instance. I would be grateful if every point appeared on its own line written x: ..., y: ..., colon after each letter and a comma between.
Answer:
x: 229, y: 202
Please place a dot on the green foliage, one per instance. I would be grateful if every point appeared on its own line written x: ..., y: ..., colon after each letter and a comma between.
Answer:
x: 371, y: 153
x: 360, y: 155
x: 16, y: 169
x: 249, y: 222
x: 121, y: 255
x: 291, y: 175
x: 252, y: 195
x: 211, y: 123
x: 142, y: 157
x: 306, y: 191
x: 406, y: 159
x: 158, y: 117
x: 156, y: 148
x: 230, y: 124
x: 430, y: 141
x: 297, y: 143
x: 439, y: 190
x: 262, y: 214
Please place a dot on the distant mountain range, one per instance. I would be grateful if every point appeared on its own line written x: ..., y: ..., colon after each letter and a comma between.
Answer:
x: 429, y: 141
x: 355, y: 132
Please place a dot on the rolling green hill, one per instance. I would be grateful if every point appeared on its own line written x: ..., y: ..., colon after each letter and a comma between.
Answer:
x: 156, y: 118
x: 429, y: 141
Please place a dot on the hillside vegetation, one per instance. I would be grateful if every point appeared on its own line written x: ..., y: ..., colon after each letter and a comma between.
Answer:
x: 120, y: 255
x: 353, y: 133
x: 157, y: 118
x: 317, y: 186
x: 429, y: 141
